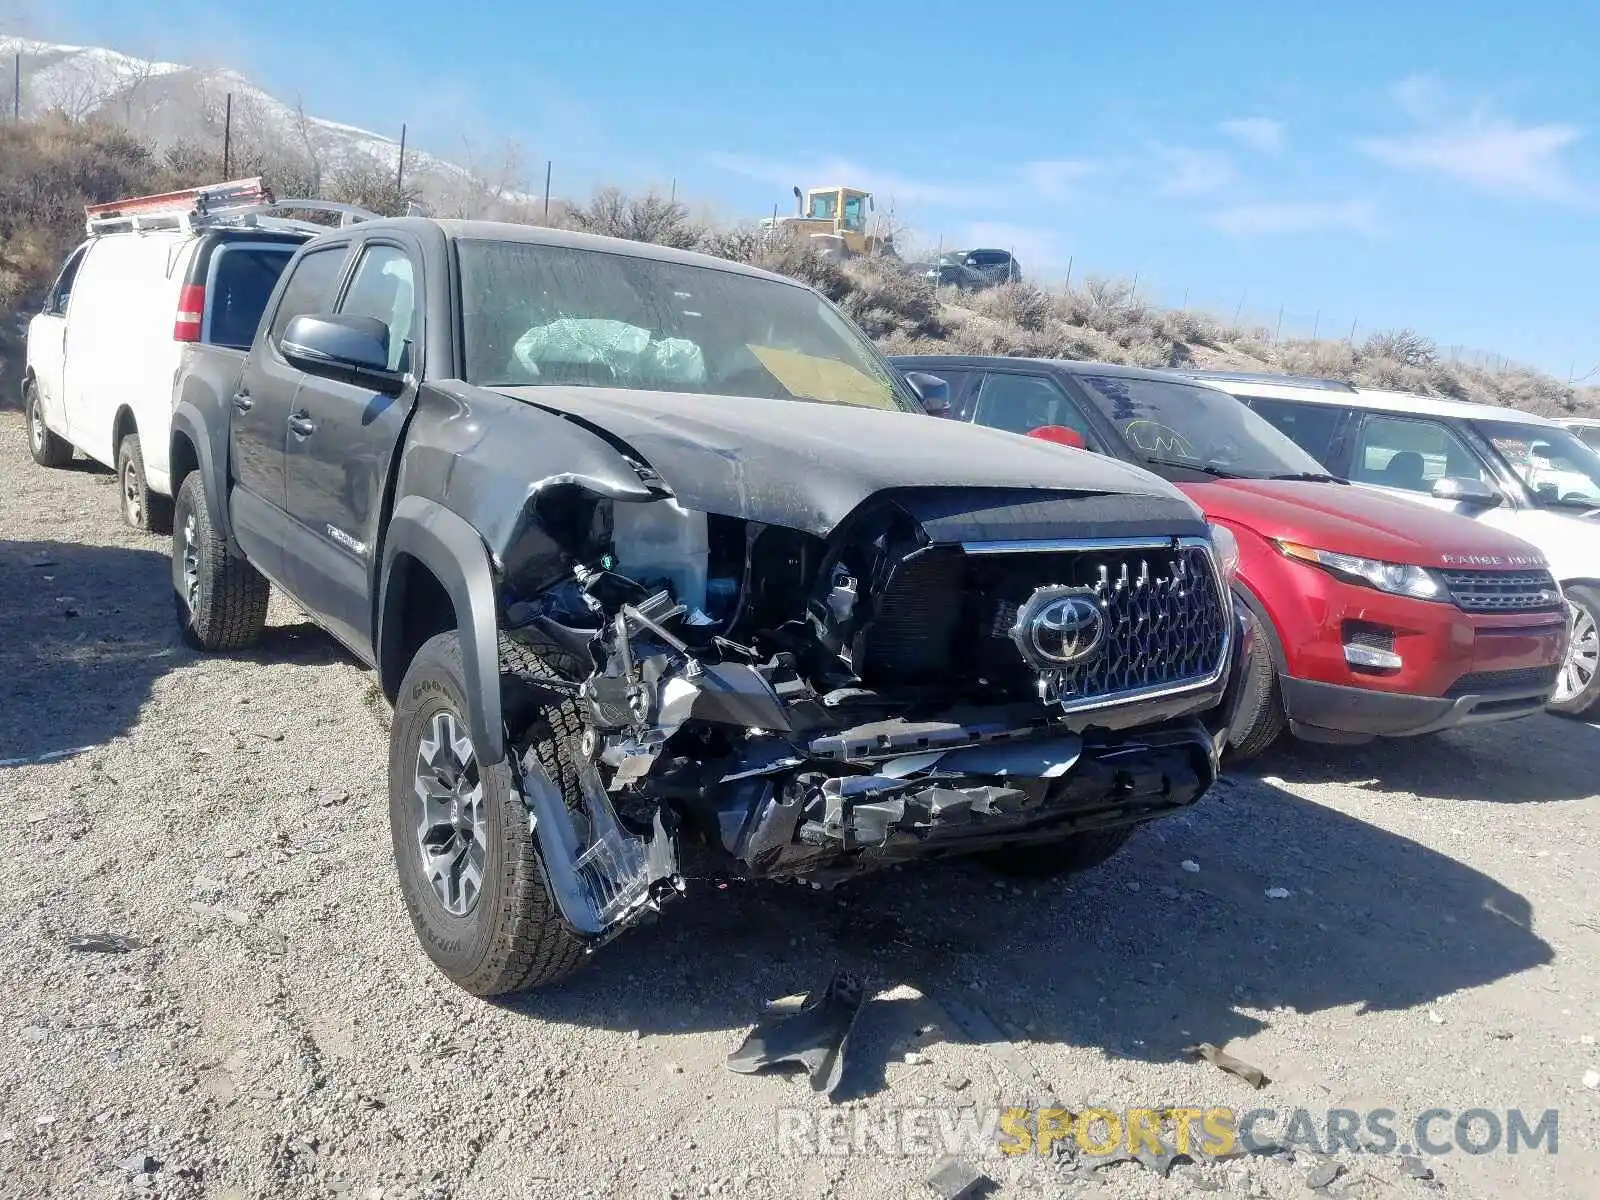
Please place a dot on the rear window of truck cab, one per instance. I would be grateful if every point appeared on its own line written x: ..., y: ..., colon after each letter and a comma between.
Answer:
x: 541, y: 315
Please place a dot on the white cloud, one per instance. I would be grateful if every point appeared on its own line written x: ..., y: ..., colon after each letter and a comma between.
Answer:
x: 1259, y: 219
x: 1492, y: 153
x: 1184, y: 172
x: 1258, y: 133
x: 1057, y: 179
x: 885, y: 186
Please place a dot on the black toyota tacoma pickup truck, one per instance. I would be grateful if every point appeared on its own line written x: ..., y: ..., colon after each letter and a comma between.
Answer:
x: 668, y: 579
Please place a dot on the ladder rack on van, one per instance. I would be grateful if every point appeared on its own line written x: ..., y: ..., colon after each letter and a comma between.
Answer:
x: 240, y: 203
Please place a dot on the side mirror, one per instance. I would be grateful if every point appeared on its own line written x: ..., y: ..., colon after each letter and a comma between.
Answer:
x: 355, y: 347
x: 1472, y: 492
x: 1061, y: 435
x: 932, y: 391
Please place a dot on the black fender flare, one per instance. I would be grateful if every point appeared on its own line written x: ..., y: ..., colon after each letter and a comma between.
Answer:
x: 455, y: 552
x: 188, y: 422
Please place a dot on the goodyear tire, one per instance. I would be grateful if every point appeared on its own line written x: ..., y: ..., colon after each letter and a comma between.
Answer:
x: 466, y: 856
x: 220, y: 599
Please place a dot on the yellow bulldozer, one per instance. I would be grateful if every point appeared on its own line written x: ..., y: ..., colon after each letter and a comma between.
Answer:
x: 836, y: 221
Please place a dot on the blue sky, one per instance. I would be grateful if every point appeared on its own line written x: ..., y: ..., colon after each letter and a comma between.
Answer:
x: 1384, y: 164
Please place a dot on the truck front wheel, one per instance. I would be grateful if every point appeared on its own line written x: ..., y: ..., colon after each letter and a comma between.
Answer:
x: 464, y: 848
x: 221, y: 599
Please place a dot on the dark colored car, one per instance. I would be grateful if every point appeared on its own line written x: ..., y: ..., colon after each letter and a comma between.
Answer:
x: 667, y: 574
x: 1370, y: 619
x: 974, y: 270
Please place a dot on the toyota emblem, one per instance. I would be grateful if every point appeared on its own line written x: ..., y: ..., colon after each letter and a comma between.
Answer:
x: 1059, y: 626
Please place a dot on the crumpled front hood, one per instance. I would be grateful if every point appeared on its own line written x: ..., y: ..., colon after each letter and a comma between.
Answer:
x: 1353, y: 520
x: 809, y: 465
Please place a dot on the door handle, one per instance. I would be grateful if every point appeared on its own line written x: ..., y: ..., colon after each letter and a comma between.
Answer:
x: 301, y: 425
x: 242, y: 401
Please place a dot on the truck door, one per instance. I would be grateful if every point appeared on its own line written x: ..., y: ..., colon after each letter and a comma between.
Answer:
x: 342, y: 440
x: 259, y: 419
x: 47, y: 345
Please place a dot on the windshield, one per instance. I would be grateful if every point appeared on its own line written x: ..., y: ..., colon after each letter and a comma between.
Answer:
x: 1171, y: 423
x: 1554, y: 465
x: 538, y: 314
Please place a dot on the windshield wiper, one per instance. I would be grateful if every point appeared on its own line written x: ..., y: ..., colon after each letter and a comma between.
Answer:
x: 1203, y: 468
x: 1310, y: 477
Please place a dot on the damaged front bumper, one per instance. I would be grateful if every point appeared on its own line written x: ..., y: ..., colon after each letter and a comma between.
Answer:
x: 802, y: 795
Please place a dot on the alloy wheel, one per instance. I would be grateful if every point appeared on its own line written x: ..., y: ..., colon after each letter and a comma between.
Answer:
x: 1583, y: 656
x: 191, y: 563
x: 132, y: 507
x: 452, y: 824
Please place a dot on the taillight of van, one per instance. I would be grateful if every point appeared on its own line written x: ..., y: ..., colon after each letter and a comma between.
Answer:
x: 191, y: 311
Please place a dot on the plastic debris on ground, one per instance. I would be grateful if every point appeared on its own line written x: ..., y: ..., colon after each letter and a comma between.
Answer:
x: 1224, y: 1061
x: 816, y: 1036
x: 954, y: 1179
x: 103, y: 943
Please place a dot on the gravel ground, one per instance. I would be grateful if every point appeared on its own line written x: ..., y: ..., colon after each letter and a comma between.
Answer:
x: 279, y: 1034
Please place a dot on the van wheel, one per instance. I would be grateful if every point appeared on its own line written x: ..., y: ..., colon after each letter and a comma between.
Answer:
x: 48, y: 450
x: 1577, y: 691
x: 221, y: 599
x: 1261, y: 717
x: 465, y: 851
x: 142, y: 508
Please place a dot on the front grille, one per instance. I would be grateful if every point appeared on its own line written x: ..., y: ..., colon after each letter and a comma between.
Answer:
x: 1503, y: 591
x: 948, y: 615
x: 1519, y: 679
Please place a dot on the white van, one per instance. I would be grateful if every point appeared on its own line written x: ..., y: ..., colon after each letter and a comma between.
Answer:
x: 1526, y: 474
x: 154, y: 274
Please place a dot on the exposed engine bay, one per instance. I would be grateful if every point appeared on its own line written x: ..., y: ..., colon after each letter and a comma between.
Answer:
x: 811, y: 708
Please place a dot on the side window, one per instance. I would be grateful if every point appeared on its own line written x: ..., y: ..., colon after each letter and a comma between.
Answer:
x: 854, y: 215
x: 960, y: 409
x: 383, y: 288
x: 244, y: 279
x: 61, y: 294
x: 1312, y: 427
x: 1020, y: 403
x: 1402, y: 452
x: 310, y: 288
x: 1590, y: 436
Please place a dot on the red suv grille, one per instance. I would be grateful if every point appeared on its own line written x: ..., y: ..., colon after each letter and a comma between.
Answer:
x: 1503, y: 591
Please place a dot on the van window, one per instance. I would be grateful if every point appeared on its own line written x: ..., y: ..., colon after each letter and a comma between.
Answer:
x: 383, y: 288
x: 1310, y: 426
x: 1411, y: 454
x: 61, y: 294
x: 310, y: 288
x: 242, y: 285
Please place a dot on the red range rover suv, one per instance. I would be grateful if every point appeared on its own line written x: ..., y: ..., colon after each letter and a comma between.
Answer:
x: 1375, y: 617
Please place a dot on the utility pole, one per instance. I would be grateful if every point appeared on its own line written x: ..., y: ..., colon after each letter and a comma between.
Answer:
x: 1068, y: 283
x: 227, y: 136
x: 1277, y: 335
x: 16, y: 88
x: 547, y: 166
x: 400, y: 170
x: 673, y: 197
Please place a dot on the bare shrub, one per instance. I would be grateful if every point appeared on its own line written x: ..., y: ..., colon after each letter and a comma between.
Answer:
x: 884, y: 298
x: 648, y: 218
x: 1019, y: 304
x: 1326, y: 360
x: 1405, y: 346
x: 373, y: 187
